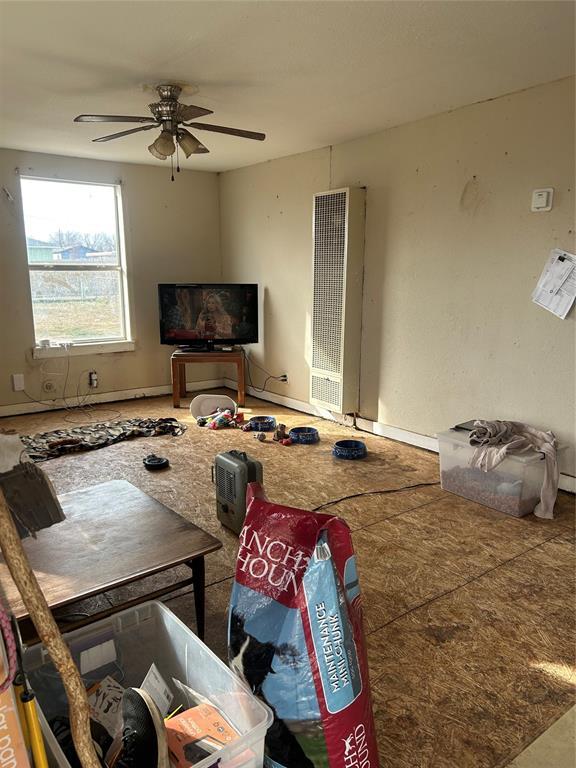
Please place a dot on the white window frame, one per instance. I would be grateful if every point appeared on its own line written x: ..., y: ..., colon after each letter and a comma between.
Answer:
x: 99, y: 345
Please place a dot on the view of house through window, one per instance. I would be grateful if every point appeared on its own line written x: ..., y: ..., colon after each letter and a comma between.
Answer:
x: 75, y: 260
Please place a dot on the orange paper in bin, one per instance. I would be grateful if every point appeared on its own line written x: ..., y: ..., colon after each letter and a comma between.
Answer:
x: 197, y: 733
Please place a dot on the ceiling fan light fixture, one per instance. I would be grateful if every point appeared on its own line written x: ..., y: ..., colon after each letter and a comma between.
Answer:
x: 188, y: 144
x: 158, y: 155
x: 164, y: 144
x: 170, y: 115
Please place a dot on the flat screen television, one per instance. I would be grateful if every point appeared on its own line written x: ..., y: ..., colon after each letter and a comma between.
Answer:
x: 199, y: 315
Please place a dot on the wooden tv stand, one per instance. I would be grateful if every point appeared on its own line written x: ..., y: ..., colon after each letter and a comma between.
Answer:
x: 179, y: 360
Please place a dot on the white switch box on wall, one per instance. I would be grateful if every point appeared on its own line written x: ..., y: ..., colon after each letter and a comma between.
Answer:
x: 18, y: 382
x: 542, y: 199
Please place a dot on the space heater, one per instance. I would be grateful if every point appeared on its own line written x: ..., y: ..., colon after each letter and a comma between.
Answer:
x: 337, y: 269
x: 231, y: 473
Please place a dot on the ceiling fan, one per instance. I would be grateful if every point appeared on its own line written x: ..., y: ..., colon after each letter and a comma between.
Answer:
x: 169, y: 115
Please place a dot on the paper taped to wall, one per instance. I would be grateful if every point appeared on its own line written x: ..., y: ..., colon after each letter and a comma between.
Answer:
x: 556, y: 288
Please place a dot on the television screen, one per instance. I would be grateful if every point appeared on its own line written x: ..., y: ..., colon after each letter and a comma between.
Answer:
x: 195, y: 314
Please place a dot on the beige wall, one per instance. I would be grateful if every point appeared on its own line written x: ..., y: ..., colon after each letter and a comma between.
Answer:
x: 452, y: 255
x: 172, y: 234
x: 266, y: 228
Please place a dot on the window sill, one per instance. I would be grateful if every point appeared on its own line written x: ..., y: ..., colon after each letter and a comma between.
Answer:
x: 92, y: 348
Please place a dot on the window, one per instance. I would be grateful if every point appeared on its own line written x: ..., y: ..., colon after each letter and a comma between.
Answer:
x: 76, y: 261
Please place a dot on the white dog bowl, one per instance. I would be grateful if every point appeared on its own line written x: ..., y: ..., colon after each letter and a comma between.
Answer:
x: 204, y: 405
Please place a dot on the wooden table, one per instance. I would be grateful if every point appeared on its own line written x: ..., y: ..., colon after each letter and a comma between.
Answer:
x: 114, y: 534
x: 179, y: 360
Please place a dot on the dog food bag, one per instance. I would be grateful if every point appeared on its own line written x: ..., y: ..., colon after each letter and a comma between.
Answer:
x: 295, y: 636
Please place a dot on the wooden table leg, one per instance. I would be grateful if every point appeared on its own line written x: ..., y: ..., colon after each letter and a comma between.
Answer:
x: 175, y: 383
x: 182, y: 378
x: 241, y: 381
x: 198, y: 575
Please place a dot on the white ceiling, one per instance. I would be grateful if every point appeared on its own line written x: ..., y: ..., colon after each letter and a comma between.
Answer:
x: 308, y: 73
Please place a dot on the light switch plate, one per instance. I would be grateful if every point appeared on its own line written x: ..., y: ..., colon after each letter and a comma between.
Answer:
x: 542, y: 200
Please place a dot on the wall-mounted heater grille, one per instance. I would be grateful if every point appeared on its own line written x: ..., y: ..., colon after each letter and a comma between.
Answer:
x: 338, y: 258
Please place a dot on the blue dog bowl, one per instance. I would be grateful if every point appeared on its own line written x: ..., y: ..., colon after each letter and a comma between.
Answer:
x: 349, y: 449
x: 304, y: 435
x: 262, y: 423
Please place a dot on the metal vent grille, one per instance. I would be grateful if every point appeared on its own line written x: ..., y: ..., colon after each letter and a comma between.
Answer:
x: 327, y: 390
x: 225, y: 484
x: 328, y: 290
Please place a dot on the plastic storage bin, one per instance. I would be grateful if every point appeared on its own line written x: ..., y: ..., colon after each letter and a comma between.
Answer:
x: 151, y: 633
x: 512, y: 487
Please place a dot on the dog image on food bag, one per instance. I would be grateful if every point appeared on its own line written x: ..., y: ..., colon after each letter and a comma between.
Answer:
x: 295, y: 636
x: 252, y: 661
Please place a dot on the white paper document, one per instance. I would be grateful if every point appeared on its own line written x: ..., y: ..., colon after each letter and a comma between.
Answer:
x: 105, y: 700
x: 556, y: 289
x: 155, y: 685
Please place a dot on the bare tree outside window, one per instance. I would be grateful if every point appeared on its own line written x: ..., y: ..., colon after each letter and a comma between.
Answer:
x: 97, y: 241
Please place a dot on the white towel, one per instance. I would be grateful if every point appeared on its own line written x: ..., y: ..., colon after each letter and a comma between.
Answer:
x: 496, y: 439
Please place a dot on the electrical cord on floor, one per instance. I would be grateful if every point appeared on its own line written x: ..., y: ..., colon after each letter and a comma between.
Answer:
x: 373, y: 493
x: 269, y: 376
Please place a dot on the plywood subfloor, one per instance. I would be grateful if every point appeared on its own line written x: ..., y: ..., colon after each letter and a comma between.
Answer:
x: 469, y: 613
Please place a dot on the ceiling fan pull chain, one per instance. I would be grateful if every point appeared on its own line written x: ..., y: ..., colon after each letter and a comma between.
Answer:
x: 172, y: 166
x: 177, y: 159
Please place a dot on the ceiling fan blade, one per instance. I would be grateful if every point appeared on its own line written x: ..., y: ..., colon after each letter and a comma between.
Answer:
x: 230, y: 131
x: 126, y: 133
x: 189, y: 112
x: 113, y: 119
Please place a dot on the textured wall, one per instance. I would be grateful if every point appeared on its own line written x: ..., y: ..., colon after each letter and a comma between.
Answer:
x: 452, y: 255
x: 266, y: 230
x: 172, y: 234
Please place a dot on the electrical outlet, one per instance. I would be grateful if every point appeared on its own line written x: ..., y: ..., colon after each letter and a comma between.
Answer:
x: 48, y: 386
x: 18, y: 382
x: 93, y: 379
x: 283, y: 377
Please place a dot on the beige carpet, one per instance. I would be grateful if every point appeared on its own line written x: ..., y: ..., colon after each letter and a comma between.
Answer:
x: 469, y: 613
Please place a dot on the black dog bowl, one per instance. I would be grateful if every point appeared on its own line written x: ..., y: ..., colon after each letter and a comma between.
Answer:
x: 349, y: 449
x: 262, y: 423
x: 304, y: 435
